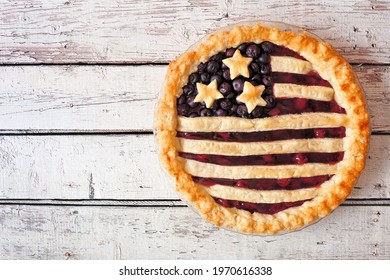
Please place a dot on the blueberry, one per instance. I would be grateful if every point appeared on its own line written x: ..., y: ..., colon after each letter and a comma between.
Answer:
x: 242, y: 111
x: 216, y: 77
x: 231, y: 95
x: 202, y: 67
x: 256, y: 78
x: 265, y: 69
x: 271, y: 102
x: 242, y: 47
x: 183, y: 109
x: 221, y: 113
x: 238, y: 85
x: 226, y: 74
x: 190, y: 101
x: 188, y: 89
x: 234, y: 108
x: 194, y: 78
x: 193, y: 115
x: 267, y: 91
x: 253, y: 51
x: 257, y: 112
x: 264, y: 58
x: 212, y: 67
x: 182, y: 99
x: 230, y: 52
x: 206, y: 113
x: 225, y: 88
x: 226, y: 104
x: 267, y: 80
x: 205, y: 78
x: 255, y: 67
x: 267, y: 46
x: 217, y: 57
x: 215, y: 105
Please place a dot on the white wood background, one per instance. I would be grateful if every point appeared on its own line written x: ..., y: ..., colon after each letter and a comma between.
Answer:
x: 79, y: 176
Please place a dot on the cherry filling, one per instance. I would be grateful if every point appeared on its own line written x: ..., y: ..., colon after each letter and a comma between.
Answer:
x: 262, y: 208
x: 283, y: 51
x: 310, y: 79
x: 274, y: 159
x: 266, y: 184
x: 281, y: 134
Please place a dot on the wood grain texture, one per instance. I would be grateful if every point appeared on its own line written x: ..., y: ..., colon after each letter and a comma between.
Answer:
x: 119, y: 167
x: 69, y: 232
x: 157, y: 31
x: 118, y: 98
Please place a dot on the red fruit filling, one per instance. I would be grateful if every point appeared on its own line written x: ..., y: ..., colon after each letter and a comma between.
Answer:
x: 273, y: 159
x: 266, y: 184
x: 263, y: 208
x: 281, y: 134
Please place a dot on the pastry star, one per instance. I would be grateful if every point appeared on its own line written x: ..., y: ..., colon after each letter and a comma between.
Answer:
x: 251, y: 96
x: 208, y: 93
x: 238, y: 65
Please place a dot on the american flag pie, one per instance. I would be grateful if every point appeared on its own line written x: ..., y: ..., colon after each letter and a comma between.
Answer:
x: 262, y: 131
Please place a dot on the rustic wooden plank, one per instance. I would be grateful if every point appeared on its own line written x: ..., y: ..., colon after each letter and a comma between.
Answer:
x: 118, y: 98
x: 157, y: 31
x: 119, y: 167
x: 34, y: 232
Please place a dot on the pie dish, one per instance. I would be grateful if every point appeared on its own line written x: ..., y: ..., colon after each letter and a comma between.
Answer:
x: 264, y: 129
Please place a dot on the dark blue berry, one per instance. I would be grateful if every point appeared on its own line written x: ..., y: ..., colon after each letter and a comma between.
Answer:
x: 265, y: 69
x: 190, y: 101
x: 193, y: 115
x: 188, y: 89
x: 238, y: 85
x: 242, y: 111
x: 264, y: 58
x: 230, y: 52
x: 221, y: 113
x: 257, y: 112
x: 271, y: 102
x: 194, y: 78
x: 202, y: 67
x: 256, y: 78
x: 216, y: 77
x: 253, y: 51
x: 226, y: 74
x: 255, y: 67
x: 225, y: 88
x: 242, y: 47
x: 267, y: 46
x: 217, y: 57
x: 226, y: 104
x: 206, y: 112
x: 212, y: 67
x: 267, y: 80
x: 183, y: 109
x: 182, y: 99
x: 205, y: 78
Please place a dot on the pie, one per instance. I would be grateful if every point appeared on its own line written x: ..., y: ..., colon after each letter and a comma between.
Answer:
x: 264, y: 130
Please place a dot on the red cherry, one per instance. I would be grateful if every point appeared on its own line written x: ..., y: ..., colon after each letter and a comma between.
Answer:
x: 284, y: 182
x: 300, y: 158
x: 300, y: 103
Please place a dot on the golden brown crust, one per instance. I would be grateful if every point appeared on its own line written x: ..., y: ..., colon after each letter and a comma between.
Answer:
x: 331, y: 66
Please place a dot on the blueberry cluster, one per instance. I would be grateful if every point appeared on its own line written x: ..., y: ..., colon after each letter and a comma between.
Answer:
x: 215, y: 69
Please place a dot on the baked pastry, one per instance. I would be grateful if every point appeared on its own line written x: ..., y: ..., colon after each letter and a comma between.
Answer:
x: 264, y: 130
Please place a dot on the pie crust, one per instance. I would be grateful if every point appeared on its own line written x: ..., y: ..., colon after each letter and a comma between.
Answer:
x: 332, y: 67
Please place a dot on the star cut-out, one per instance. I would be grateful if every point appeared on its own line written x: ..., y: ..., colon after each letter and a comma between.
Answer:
x: 251, y: 96
x: 208, y: 93
x: 238, y: 65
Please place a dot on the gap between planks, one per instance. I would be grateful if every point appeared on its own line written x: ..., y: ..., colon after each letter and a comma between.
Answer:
x: 155, y: 202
